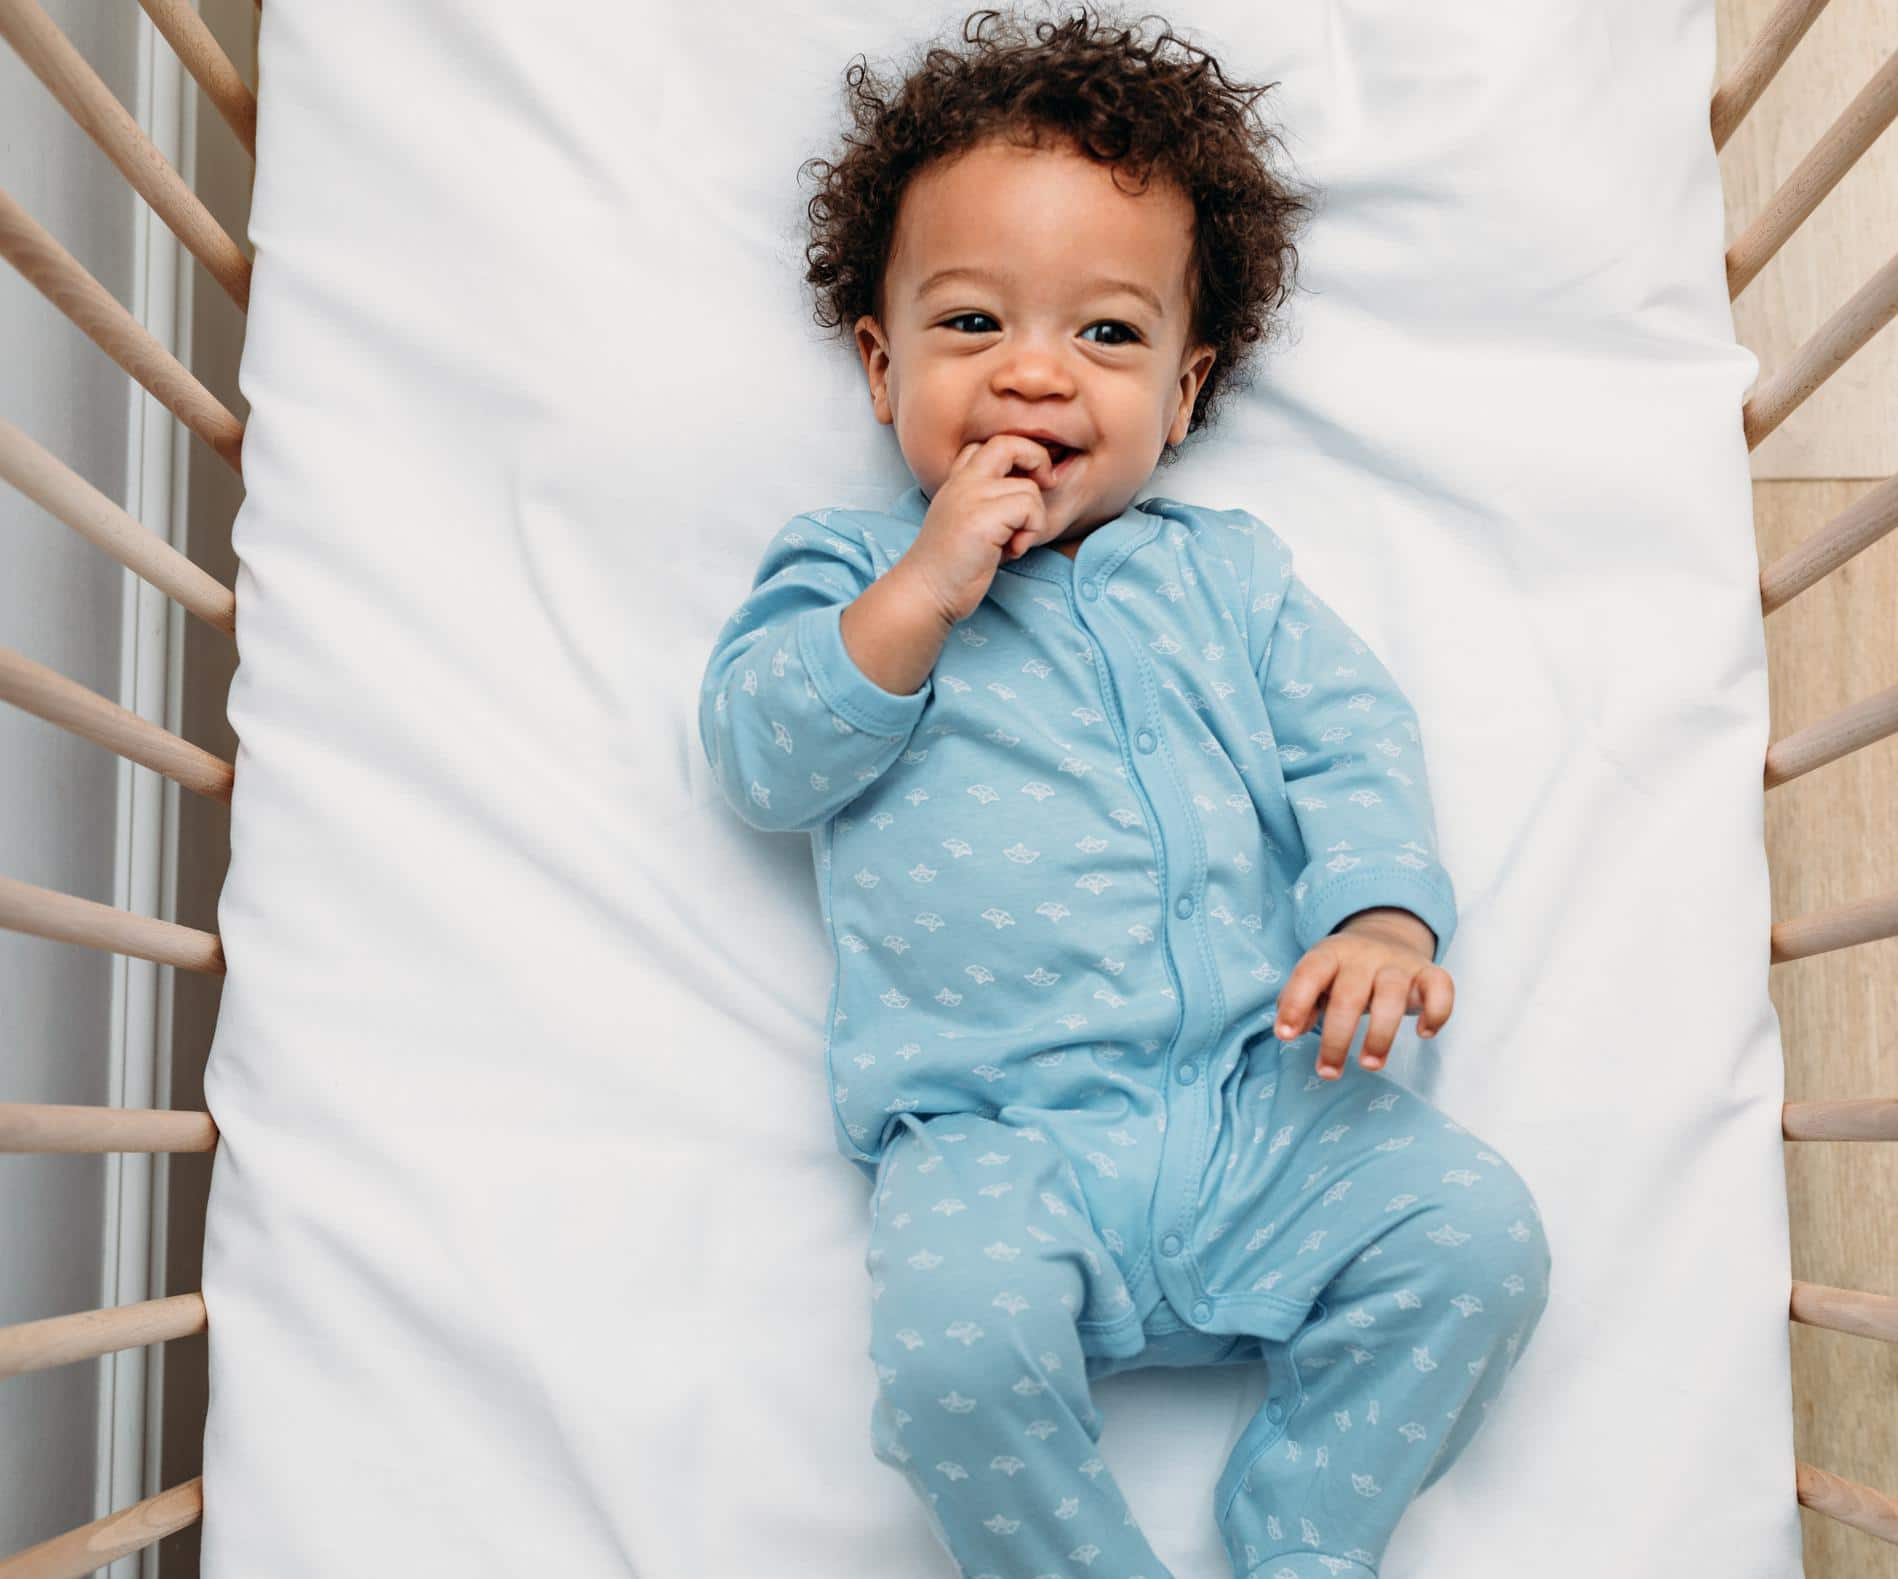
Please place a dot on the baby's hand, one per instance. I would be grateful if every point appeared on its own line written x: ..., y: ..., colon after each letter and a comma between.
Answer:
x: 981, y: 515
x: 1380, y: 959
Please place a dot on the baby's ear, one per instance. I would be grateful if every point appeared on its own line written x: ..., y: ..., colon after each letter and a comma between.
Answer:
x: 1192, y: 382
x: 874, y: 352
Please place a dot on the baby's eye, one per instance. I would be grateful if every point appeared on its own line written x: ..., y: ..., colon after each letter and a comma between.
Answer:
x: 1114, y: 323
x: 962, y: 317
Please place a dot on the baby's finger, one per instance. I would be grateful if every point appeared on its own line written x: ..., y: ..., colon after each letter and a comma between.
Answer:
x: 1008, y: 453
x: 1310, y: 977
x: 1020, y: 541
x: 1342, y: 1013
x: 1390, y: 992
x: 1019, y: 500
x: 1439, y: 994
x: 964, y: 455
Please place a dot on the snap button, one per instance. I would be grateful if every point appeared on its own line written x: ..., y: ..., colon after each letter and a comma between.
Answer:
x: 1275, y: 1411
x: 1144, y: 740
x: 1188, y: 1074
x: 1090, y: 591
x: 1184, y: 907
x: 1170, y: 1246
x: 1202, y: 1311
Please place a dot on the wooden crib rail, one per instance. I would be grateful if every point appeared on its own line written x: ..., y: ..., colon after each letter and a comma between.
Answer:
x: 48, y: 694
x: 1836, y: 341
x: 1864, y: 722
x: 1838, y: 1498
x: 1856, y: 129
x: 1849, y: 533
x: 192, y: 43
x: 51, y: 1127
x: 56, y: 1127
x: 1839, y: 926
x: 66, y: 918
x: 1840, y: 1118
x: 66, y: 1340
x: 1850, y: 729
x: 1767, y: 53
x: 50, y: 55
x: 60, y: 491
x: 92, y: 1546
x: 95, y: 312
x: 1843, y: 1310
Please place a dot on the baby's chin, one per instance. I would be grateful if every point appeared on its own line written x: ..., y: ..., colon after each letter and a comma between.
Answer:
x: 1084, y: 515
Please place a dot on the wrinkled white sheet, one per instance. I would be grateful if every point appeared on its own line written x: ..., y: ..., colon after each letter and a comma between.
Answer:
x: 529, y: 1250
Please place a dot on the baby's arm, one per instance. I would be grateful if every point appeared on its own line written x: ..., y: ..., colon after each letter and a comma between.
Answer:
x: 1352, y: 757
x: 1351, y: 753
x: 793, y: 728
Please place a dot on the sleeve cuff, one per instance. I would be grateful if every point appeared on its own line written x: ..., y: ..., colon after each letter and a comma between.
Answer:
x: 850, y: 693
x: 1428, y: 897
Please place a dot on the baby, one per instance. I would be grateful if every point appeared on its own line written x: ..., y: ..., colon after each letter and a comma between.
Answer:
x: 1106, y: 805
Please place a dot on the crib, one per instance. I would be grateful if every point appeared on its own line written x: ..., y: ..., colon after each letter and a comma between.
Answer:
x: 42, y: 262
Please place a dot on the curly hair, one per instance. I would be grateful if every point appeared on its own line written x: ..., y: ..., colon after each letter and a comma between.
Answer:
x: 1095, y: 86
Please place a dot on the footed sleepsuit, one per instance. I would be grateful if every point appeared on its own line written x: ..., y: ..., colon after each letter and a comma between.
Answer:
x: 1064, y: 881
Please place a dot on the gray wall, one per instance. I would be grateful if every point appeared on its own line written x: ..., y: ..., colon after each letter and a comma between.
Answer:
x: 60, y: 605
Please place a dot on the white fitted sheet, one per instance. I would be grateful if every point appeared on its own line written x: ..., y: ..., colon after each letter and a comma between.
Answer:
x: 529, y: 1251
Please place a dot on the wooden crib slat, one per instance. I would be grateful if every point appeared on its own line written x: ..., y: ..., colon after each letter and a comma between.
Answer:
x: 1856, y: 129
x: 1850, y: 1310
x: 52, y: 1127
x: 1820, y: 1490
x: 1841, y: 1118
x: 47, y: 1127
x: 1850, y: 532
x: 51, y: 57
x: 1842, y: 926
x: 60, y: 491
x: 1846, y: 731
x: 91, y: 1546
x: 192, y: 42
x: 66, y: 1340
x: 66, y: 918
x: 93, y: 309
x: 1767, y: 53
x: 48, y: 694
x: 1870, y: 309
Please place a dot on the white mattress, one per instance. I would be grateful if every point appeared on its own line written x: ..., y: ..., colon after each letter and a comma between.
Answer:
x: 529, y: 1248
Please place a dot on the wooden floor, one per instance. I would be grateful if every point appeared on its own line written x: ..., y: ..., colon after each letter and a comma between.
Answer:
x: 1832, y: 836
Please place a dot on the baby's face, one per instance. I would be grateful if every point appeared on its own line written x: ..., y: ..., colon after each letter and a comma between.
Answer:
x: 1024, y: 292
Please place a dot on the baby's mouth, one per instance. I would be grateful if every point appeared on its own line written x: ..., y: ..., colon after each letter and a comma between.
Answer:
x: 1064, y: 459
x: 1058, y: 454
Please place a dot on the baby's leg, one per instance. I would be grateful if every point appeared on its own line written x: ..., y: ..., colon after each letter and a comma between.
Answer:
x: 983, y: 1263
x: 1425, y: 1258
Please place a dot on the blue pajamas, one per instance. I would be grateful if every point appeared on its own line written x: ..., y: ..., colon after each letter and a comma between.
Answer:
x: 1415, y: 1247
x: 1064, y: 881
